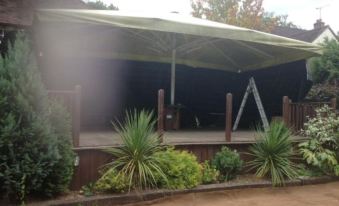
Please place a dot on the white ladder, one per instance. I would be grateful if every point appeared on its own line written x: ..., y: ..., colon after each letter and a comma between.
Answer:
x: 252, y: 88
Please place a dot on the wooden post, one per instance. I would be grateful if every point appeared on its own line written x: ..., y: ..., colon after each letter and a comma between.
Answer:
x: 76, y: 115
x: 334, y: 103
x: 161, y: 109
x: 286, y: 110
x: 228, y: 126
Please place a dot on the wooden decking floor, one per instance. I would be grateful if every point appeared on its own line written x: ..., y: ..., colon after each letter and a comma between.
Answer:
x: 110, y: 138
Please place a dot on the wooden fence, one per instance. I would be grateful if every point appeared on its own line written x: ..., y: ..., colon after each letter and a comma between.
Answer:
x: 296, y: 114
x: 72, y: 101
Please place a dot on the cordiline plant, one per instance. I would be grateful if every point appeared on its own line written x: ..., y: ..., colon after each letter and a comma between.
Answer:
x: 272, y: 154
x: 135, y: 158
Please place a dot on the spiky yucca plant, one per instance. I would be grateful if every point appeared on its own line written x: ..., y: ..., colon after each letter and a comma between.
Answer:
x: 135, y: 158
x: 272, y: 154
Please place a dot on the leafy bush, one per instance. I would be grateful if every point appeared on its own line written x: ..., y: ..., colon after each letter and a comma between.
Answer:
x: 181, y: 169
x: 272, y: 154
x: 32, y: 140
x: 136, y: 157
x: 112, y: 181
x: 322, y: 148
x: 228, y: 163
x: 209, y: 173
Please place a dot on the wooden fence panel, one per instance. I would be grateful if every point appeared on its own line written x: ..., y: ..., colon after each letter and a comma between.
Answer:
x: 295, y: 114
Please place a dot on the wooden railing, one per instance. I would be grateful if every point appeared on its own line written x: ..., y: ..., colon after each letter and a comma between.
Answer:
x: 228, y: 116
x: 72, y: 101
x: 296, y: 114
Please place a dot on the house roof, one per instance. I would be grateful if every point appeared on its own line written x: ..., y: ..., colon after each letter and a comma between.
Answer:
x: 300, y: 34
x: 20, y: 12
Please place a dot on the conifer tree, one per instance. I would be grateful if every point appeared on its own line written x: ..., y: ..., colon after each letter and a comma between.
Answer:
x: 30, y: 150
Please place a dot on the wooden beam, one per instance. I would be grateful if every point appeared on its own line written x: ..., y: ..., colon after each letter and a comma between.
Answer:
x: 161, y: 109
x: 76, y: 116
x: 228, y: 126
x: 334, y: 103
x: 286, y: 110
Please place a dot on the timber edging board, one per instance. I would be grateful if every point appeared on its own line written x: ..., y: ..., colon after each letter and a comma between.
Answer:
x: 156, y: 194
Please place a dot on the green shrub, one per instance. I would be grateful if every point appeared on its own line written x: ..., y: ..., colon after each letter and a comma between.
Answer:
x: 60, y: 177
x: 209, y: 173
x: 88, y: 190
x: 136, y: 157
x: 112, y: 181
x: 32, y: 146
x: 181, y: 169
x: 321, y: 149
x: 272, y: 154
x: 228, y: 163
x: 305, y: 171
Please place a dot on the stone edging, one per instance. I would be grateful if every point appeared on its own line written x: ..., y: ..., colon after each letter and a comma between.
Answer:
x: 156, y: 194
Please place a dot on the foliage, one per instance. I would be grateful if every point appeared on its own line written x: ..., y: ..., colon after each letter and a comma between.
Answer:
x: 323, y: 92
x: 322, y: 148
x: 112, y: 181
x: 245, y: 13
x: 61, y: 175
x: 181, y: 169
x: 228, y: 163
x: 306, y: 171
x: 136, y: 157
x: 32, y: 147
x: 209, y: 173
x: 272, y: 154
x: 99, y: 5
x: 325, y: 69
x: 88, y: 190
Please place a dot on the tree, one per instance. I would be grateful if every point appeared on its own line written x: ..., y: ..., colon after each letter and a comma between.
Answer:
x: 99, y: 5
x: 245, y: 13
x: 325, y: 69
x: 35, y: 149
x: 325, y: 72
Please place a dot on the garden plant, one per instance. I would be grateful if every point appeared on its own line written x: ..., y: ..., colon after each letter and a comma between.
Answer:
x: 136, y: 158
x: 228, y: 163
x: 272, y: 154
x: 322, y: 149
x: 181, y: 169
x: 35, y: 149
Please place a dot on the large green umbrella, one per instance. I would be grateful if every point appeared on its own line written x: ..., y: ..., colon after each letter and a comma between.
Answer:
x: 175, y: 39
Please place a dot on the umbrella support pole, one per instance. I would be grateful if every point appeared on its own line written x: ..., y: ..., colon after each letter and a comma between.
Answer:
x: 173, y: 77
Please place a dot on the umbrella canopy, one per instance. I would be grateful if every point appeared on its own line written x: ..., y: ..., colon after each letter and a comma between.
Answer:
x: 173, y: 38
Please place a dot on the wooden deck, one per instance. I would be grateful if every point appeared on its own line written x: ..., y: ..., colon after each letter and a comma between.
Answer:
x: 110, y: 138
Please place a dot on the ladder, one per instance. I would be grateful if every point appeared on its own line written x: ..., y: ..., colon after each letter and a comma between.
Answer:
x: 252, y: 88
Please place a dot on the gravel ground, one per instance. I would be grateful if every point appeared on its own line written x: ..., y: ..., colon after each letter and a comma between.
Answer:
x: 310, y: 195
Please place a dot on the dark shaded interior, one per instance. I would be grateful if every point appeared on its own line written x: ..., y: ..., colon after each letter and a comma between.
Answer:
x: 109, y: 87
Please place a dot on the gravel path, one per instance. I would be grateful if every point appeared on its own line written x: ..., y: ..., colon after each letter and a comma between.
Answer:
x: 322, y: 195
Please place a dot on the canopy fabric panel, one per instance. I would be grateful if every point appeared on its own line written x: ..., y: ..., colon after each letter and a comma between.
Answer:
x: 196, y: 42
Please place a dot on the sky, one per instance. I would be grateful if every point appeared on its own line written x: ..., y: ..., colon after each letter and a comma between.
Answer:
x: 301, y: 12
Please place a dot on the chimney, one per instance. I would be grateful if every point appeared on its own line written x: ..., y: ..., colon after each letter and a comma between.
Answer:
x: 319, y: 24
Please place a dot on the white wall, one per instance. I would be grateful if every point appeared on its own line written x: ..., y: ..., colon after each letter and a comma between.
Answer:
x: 327, y: 33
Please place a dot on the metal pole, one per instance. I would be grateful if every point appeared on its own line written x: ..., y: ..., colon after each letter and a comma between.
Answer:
x: 173, y: 77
